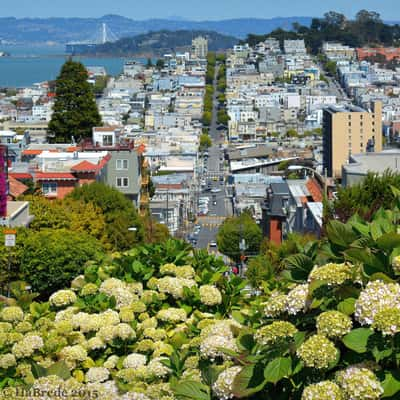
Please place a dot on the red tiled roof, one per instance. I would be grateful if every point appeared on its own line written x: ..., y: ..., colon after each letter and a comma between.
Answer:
x: 49, y: 176
x: 20, y: 175
x: 141, y: 149
x: 84, y: 166
x: 104, y: 161
x: 28, y: 152
x: 16, y: 188
x: 315, y: 190
x: 71, y: 149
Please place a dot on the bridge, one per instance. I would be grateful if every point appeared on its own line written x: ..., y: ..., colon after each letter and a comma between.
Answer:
x: 103, y: 35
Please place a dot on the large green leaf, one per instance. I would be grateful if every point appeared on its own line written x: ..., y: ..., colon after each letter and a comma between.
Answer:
x: 347, y: 306
x: 60, y: 369
x: 191, y: 390
x: 357, y: 339
x: 277, y: 369
x: 391, y: 385
x: 299, y: 265
x: 37, y: 370
x: 248, y: 381
x: 388, y: 241
x: 340, y: 234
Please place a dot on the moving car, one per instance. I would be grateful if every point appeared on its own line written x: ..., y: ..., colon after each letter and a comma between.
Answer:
x: 213, y: 243
x: 215, y: 190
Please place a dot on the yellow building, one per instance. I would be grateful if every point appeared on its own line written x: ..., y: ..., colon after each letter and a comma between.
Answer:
x: 349, y: 130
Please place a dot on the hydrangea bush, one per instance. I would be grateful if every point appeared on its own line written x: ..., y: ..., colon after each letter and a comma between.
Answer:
x: 128, y: 329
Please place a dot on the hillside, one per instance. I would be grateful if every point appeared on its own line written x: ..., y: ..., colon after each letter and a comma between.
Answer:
x: 161, y: 42
x: 62, y: 30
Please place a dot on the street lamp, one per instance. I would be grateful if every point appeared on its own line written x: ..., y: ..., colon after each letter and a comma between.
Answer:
x: 323, y: 178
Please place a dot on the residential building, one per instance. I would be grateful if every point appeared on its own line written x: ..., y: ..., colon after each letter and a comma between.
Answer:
x: 200, y: 47
x: 337, y: 51
x: 294, y: 46
x: 349, y: 130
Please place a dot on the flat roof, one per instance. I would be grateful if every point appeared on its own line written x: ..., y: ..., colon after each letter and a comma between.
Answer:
x: 373, y: 162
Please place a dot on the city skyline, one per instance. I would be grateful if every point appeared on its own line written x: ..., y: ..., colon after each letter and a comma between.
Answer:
x: 189, y: 9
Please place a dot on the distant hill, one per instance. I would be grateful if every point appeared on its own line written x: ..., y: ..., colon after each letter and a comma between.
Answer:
x: 62, y: 30
x: 161, y: 42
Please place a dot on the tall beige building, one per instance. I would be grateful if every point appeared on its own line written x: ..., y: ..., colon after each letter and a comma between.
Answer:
x: 200, y: 47
x: 350, y: 130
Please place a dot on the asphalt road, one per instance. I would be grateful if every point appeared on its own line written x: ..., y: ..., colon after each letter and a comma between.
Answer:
x: 217, y: 213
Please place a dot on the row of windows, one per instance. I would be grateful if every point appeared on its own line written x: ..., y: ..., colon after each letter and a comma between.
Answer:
x: 51, y: 187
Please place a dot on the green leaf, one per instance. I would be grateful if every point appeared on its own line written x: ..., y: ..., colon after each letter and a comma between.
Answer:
x: 248, y: 381
x: 376, y: 230
x: 388, y: 241
x: 299, y: 338
x: 340, y: 234
x: 37, y: 370
x: 277, y: 369
x: 60, y: 369
x: 347, y: 306
x: 186, y: 390
x: 390, y: 385
x: 238, y: 317
x: 299, y: 266
x: 246, y: 342
x: 357, y: 339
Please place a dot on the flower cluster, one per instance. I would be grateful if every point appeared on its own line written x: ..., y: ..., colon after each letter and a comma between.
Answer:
x: 318, y: 352
x: 359, y: 383
x: 333, y: 324
x: 376, y: 297
x: 275, y: 332
x: 396, y: 265
x: 223, y: 386
x: 174, y: 286
x: 387, y: 321
x: 62, y: 298
x: 296, y: 299
x: 7, y: 360
x: 135, y: 360
x: 12, y: 314
x: 333, y: 274
x: 210, y: 295
x: 276, y: 305
x: 322, y: 391
x: 27, y: 346
x: 97, y: 374
x: 172, y: 315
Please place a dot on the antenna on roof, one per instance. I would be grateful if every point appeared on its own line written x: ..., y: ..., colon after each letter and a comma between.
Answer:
x: 73, y: 142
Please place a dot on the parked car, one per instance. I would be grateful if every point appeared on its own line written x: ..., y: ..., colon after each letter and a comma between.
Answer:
x: 213, y: 243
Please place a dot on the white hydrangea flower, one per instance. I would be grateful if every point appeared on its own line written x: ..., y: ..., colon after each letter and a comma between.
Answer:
x: 12, y: 314
x: 172, y: 315
x: 62, y: 298
x: 86, y: 322
x: 210, y: 347
x: 27, y: 346
x: 109, y: 286
x: 296, y: 299
x: 223, y: 386
x: 95, y: 343
x: 124, y: 331
x: 359, y: 383
x: 7, y: 360
x: 156, y: 368
x: 210, y: 295
x: 97, y: 374
x: 174, y: 286
x: 134, y: 396
x: 111, y: 362
x: 322, y: 391
x: 135, y: 360
x: 73, y: 353
x: 376, y: 297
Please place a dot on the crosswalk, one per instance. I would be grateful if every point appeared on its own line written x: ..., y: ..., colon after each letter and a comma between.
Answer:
x: 210, y: 222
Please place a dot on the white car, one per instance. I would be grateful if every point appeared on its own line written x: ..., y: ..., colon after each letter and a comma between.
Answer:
x: 213, y: 244
x: 215, y: 190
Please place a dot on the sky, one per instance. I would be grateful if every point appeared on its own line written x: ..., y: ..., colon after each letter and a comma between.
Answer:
x: 194, y: 9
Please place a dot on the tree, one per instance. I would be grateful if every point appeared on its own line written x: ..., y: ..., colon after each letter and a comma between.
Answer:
x: 160, y: 64
x: 207, y: 116
x: 205, y: 141
x: 292, y: 133
x: 75, y: 111
x: 119, y: 214
x: 52, y: 258
x: 259, y: 269
x: 233, y: 230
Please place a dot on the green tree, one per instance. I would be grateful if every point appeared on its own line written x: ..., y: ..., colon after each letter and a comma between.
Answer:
x: 205, y: 141
x: 75, y: 111
x: 52, y: 258
x: 259, y: 269
x: 119, y: 214
x: 207, y: 116
x: 160, y: 64
x: 292, y: 133
x: 233, y: 230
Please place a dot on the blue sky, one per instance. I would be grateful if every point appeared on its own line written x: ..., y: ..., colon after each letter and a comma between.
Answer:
x: 194, y: 9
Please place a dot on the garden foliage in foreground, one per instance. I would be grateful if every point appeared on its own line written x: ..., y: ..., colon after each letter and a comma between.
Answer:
x: 158, y: 322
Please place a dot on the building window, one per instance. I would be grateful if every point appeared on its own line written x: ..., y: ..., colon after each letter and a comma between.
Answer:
x: 349, y: 123
x: 122, y: 164
x: 107, y: 140
x: 122, y: 182
x: 49, y: 188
